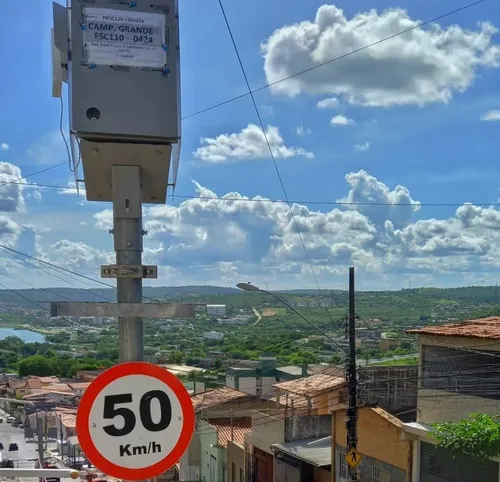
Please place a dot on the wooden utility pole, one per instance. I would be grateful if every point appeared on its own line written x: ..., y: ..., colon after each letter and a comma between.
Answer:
x: 352, y: 380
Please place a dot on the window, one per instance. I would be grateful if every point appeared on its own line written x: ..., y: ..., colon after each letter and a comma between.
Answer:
x: 242, y: 476
x: 233, y: 472
x: 380, y: 475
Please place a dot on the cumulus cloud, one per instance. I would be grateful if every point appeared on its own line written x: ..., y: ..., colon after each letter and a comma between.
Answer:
x: 341, y: 120
x: 4, y: 146
x: 362, y: 147
x: 11, y: 188
x: 328, y: 103
x: 250, y: 143
x: 226, y: 238
x: 421, y: 66
x: 491, y: 115
x: 375, y: 200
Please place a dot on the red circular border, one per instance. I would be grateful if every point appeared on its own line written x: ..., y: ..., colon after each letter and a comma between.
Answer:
x: 101, y: 382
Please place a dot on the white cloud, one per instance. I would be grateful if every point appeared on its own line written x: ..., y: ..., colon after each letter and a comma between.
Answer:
x: 250, y: 143
x: 71, y: 189
x: 421, y: 66
x: 328, y: 103
x: 11, y: 188
x: 491, y: 115
x: 301, y: 131
x: 4, y: 146
x: 362, y: 147
x: 341, y: 120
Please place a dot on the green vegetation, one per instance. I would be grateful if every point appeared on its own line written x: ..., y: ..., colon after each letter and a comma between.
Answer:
x: 411, y: 360
x: 477, y: 436
x: 42, y: 359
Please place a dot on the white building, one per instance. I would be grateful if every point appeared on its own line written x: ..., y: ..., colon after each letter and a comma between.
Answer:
x: 216, y: 310
x: 213, y: 335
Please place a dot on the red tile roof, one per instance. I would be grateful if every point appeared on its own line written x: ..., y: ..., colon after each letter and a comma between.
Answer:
x: 68, y: 420
x: 313, y: 385
x: 224, y: 433
x: 215, y: 397
x: 34, y: 383
x: 482, y: 328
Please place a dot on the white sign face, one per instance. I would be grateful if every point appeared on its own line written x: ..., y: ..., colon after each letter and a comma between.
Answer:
x: 126, y: 38
x: 135, y: 421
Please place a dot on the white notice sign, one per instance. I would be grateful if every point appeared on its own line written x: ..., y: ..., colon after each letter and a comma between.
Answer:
x: 123, y: 37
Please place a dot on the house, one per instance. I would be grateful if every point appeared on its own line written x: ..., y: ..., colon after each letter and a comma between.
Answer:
x: 277, y: 433
x: 216, y: 310
x: 252, y: 376
x: 386, y: 452
x: 216, y: 411
x: 285, y: 374
x: 459, y: 373
x: 18, y: 388
x: 317, y: 394
x: 79, y: 388
x: 88, y: 375
x: 215, y: 436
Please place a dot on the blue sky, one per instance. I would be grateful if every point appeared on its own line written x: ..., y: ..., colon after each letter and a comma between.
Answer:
x: 421, y: 111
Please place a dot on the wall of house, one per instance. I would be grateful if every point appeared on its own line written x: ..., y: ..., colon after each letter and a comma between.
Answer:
x: 247, y: 385
x: 208, y: 437
x: 443, y: 406
x: 377, y: 438
x: 325, y: 403
x: 370, y: 468
x: 307, y: 427
x: 321, y: 475
x: 235, y: 461
x: 266, y: 430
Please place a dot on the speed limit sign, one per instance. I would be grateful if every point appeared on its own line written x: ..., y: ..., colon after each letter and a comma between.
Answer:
x: 135, y: 421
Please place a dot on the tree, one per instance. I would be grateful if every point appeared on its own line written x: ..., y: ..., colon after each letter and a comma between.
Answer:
x: 477, y: 436
x: 36, y: 365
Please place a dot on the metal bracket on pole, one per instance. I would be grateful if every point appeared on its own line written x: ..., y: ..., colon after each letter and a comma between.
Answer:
x: 129, y: 271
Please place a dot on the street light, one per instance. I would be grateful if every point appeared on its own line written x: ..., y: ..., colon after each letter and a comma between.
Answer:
x: 251, y: 287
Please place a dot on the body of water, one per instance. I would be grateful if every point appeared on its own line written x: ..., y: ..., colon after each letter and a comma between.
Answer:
x: 25, y: 335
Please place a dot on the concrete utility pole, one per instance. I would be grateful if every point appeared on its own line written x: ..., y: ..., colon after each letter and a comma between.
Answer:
x: 39, y: 433
x: 352, y: 381
x: 127, y: 232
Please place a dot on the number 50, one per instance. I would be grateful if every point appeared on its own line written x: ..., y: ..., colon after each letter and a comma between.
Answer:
x: 111, y: 411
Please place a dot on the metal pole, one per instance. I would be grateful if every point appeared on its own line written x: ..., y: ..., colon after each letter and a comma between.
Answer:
x: 127, y: 231
x: 352, y: 382
x: 39, y: 432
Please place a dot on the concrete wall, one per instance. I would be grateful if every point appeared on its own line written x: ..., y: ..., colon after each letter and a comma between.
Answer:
x: 235, y: 461
x: 208, y: 438
x: 266, y: 430
x: 247, y: 385
x: 442, y: 406
x: 325, y: 403
x: 377, y: 438
x: 307, y: 427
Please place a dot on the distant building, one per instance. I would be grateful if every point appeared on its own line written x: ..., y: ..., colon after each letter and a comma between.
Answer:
x: 216, y: 310
x: 213, y: 335
x: 364, y: 334
x: 252, y: 376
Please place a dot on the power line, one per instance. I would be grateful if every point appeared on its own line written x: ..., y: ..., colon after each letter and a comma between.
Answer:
x: 298, y: 201
x: 275, y: 164
x: 352, y: 52
x: 64, y: 269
